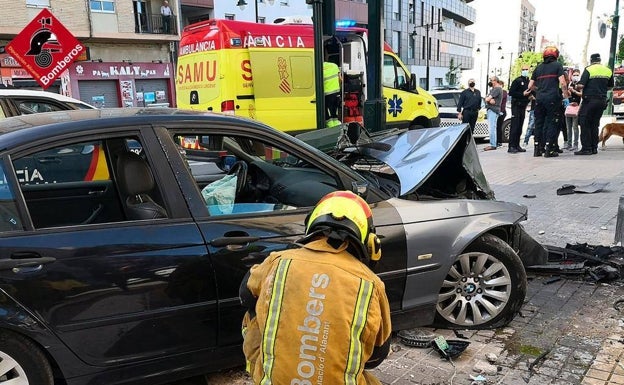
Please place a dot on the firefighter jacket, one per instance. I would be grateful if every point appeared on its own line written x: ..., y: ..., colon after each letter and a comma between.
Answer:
x: 320, y: 314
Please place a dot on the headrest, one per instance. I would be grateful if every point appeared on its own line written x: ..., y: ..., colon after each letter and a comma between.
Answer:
x: 135, y: 176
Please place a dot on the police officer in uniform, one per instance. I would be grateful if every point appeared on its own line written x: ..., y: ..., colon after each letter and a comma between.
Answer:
x: 519, y: 102
x: 469, y: 105
x: 318, y: 313
x: 595, y: 81
x: 550, y: 84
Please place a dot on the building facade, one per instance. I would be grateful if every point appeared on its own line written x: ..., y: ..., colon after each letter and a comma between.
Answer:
x: 128, y: 49
x: 431, y: 33
x: 513, y: 31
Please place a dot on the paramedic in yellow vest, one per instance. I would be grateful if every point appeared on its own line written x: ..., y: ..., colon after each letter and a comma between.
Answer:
x: 595, y: 81
x: 332, y: 78
x: 317, y: 313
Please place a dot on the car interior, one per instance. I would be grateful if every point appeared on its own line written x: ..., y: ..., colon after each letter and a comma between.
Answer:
x: 75, y: 183
x: 266, y: 178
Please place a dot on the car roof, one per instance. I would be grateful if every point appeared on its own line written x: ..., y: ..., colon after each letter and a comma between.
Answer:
x: 449, y: 91
x: 24, y: 128
x: 35, y: 93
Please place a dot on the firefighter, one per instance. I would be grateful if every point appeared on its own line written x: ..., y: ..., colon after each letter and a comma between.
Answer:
x: 332, y: 78
x: 551, y: 88
x: 595, y: 81
x: 317, y: 313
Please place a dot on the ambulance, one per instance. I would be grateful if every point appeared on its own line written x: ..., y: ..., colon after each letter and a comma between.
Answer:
x: 266, y: 72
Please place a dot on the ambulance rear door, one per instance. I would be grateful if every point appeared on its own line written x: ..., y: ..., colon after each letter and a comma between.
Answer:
x: 284, y: 87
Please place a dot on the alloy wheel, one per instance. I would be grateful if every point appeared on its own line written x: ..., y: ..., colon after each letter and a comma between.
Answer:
x: 10, y: 371
x: 475, y: 290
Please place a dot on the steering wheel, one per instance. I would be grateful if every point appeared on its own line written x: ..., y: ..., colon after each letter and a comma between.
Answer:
x: 240, y: 170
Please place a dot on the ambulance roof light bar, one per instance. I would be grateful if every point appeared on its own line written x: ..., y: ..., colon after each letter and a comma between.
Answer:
x: 345, y: 23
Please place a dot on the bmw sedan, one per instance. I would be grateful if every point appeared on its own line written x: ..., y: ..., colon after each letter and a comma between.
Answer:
x: 124, y: 235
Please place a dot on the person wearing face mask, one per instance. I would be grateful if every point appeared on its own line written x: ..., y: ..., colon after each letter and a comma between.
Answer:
x: 469, y: 105
x: 493, y: 102
x: 519, y: 102
x: 571, y: 114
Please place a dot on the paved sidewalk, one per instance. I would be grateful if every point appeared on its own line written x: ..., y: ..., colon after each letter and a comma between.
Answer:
x: 568, y: 332
x: 564, y: 219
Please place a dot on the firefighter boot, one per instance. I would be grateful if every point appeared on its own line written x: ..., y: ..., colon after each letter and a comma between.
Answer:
x: 538, y: 150
x: 550, y: 151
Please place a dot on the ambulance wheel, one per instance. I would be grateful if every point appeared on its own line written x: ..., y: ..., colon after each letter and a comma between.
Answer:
x: 484, y: 288
x: 22, y: 362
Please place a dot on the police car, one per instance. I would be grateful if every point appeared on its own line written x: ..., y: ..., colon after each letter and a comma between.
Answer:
x: 447, y: 105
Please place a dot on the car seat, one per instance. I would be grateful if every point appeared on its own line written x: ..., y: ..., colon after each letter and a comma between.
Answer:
x: 135, y: 182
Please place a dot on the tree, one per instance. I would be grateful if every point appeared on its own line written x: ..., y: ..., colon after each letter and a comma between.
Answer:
x: 620, y: 53
x: 452, y: 74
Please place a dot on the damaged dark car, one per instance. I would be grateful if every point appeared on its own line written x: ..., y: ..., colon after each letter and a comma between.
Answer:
x: 124, y: 235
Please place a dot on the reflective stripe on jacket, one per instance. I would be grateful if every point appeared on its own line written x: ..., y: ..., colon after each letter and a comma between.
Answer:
x: 331, y: 80
x: 320, y: 313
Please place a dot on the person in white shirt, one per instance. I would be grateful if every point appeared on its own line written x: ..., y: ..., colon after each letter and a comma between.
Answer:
x: 165, y: 12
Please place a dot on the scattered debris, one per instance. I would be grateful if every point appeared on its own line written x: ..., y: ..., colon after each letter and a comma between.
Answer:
x: 603, y: 227
x: 491, y: 357
x: 449, y: 349
x: 485, y: 368
x: 552, y: 280
x: 536, y: 361
x: 528, y: 196
x: 591, y: 188
x: 418, y: 338
x: 476, y: 380
x: 594, y: 263
x: 541, y: 232
x: 459, y: 335
x: 619, y: 305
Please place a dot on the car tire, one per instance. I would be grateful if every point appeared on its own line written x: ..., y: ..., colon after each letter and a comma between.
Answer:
x: 506, y: 128
x: 22, y: 361
x: 470, y: 299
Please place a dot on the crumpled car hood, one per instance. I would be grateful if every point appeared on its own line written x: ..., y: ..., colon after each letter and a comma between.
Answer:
x: 416, y: 155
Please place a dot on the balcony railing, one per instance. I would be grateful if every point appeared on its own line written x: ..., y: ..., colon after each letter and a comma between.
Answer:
x: 153, y: 23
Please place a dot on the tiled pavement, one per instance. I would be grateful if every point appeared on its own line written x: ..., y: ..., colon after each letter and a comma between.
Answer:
x: 568, y: 331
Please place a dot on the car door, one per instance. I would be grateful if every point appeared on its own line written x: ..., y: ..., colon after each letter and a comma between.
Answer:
x: 117, y: 291
x: 287, y: 181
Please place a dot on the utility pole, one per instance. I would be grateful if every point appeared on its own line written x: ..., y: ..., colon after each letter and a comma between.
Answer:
x: 615, y: 21
x: 374, y: 106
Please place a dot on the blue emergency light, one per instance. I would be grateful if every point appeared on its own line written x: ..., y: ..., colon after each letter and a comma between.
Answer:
x: 345, y: 23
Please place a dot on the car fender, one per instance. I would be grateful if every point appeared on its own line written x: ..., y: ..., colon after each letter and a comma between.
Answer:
x: 15, y: 318
x: 434, y: 242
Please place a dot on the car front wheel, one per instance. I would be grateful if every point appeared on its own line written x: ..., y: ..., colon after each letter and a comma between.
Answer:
x: 484, y: 288
x: 21, y: 362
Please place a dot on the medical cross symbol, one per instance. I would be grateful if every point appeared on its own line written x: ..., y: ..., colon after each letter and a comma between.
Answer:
x: 395, y: 105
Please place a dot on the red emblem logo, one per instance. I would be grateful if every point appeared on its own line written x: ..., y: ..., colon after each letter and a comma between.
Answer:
x: 45, y: 48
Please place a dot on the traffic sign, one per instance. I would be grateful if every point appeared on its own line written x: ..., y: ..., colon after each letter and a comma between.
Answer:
x: 45, y: 48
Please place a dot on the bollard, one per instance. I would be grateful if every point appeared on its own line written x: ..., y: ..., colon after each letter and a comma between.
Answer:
x: 619, y: 226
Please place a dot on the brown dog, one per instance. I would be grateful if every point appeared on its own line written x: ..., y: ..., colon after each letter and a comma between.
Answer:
x: 611, y: 129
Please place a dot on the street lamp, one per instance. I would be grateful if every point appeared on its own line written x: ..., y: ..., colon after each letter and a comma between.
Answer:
x: 510, y: 64
x: 242, y: 4
x: 488, y: 59
x: 427, y: 44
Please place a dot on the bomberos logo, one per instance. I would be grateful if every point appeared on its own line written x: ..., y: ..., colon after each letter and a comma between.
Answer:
x: 45, y: 48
